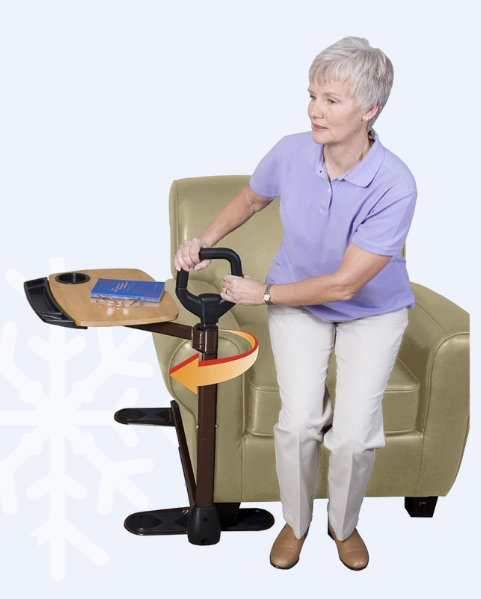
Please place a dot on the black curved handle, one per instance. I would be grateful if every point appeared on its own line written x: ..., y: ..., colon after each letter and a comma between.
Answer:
x: 208, y: 306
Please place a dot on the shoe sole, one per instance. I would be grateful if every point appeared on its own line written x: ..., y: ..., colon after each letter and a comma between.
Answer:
x: 286, y: 567
x: 347, y: 566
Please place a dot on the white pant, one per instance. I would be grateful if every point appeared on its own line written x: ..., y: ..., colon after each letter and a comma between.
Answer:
x: 366, y: 349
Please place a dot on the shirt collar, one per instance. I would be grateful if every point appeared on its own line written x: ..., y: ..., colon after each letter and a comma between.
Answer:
x: 362, y: 174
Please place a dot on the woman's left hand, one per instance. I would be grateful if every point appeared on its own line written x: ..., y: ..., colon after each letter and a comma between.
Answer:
x: 245, y: 290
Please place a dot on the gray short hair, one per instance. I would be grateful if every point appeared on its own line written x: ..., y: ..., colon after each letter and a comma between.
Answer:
x: 368, y: 71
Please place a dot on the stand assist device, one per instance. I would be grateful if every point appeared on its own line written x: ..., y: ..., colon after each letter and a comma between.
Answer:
x: 203, y: 520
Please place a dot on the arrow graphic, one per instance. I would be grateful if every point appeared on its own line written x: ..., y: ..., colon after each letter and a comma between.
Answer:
x: 192, y: 373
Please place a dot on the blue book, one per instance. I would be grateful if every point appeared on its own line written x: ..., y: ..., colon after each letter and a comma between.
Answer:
x: 146, y: 291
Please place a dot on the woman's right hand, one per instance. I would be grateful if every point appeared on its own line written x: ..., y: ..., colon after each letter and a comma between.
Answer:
x: 187, y: 255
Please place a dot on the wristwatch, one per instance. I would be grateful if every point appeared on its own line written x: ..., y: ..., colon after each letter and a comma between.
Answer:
x: 267, y: 295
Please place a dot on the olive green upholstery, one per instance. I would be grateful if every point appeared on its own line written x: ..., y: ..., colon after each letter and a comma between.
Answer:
x: 426, y: 404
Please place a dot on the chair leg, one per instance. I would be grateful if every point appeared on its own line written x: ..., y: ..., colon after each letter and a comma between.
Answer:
x: 250, y: 518
x: 228, y: 513
x: 420, y: 507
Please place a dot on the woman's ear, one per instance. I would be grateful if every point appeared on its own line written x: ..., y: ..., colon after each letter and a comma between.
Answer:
x: 370, y: 114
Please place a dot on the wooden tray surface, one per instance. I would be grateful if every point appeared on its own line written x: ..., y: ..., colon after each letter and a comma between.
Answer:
x: 76, y: 302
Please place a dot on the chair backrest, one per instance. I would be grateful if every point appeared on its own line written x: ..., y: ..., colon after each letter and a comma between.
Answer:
x: 194, y: 202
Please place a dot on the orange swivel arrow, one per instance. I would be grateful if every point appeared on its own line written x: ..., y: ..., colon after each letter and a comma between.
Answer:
x: 192, y: 374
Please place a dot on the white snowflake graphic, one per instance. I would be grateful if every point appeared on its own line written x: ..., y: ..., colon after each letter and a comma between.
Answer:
x: 57, y: 419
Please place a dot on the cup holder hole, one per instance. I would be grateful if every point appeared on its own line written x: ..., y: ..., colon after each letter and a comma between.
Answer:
x: 72, y: 278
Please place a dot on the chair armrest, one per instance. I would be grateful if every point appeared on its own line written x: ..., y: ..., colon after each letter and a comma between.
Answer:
x: 435, y: 348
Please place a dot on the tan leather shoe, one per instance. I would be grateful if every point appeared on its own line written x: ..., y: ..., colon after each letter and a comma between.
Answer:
x: 287, y: 548
x: 352, y: 551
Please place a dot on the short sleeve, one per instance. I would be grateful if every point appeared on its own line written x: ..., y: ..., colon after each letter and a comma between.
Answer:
x: 386, y: 227
x: 265, y: 180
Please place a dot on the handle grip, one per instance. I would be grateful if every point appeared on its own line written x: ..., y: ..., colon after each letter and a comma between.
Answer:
x: 208, y: 306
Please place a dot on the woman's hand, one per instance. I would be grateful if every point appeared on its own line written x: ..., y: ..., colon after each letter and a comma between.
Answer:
x: 245, y: 290
x: 187, y: 255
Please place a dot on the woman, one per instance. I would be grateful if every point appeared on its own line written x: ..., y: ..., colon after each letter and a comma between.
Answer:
x: 337, y: 282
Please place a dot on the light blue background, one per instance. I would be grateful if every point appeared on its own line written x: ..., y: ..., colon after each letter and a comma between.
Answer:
x: 102, y: 105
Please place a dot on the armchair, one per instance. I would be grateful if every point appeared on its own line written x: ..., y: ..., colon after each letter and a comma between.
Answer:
x: 425, y: 407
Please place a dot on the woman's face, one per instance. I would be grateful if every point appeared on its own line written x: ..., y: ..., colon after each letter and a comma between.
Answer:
x: 335, y: 118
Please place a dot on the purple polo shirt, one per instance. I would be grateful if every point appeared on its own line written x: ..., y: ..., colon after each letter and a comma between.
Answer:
x: 371, y: 206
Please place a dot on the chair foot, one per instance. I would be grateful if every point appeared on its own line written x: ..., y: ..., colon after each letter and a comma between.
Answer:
x: 420, y: 507
x: 232, y: 518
